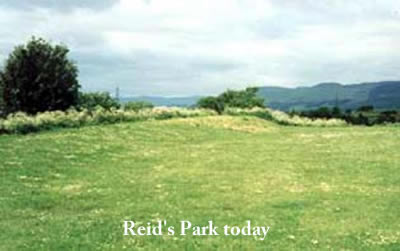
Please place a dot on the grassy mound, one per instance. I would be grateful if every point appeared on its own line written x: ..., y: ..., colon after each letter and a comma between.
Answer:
x: 21, y: 123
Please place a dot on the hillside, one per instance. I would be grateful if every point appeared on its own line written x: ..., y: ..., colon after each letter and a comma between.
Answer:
x: 71, y: 189
x: 382, y: 95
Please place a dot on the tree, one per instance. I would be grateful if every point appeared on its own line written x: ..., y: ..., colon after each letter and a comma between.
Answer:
x: 2, y: 112
x: 242, y: 99
x: 90, y: 100
x: 213, y: 103
x: 39, y: 77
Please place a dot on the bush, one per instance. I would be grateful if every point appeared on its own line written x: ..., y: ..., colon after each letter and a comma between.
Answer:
x: 365, y: 108
x: 240, y: 99
x: 137, y: 105
x: 213, y: 103
x: 387, y: 117
x: 38, y: 77
x: 91, y: 100
x: 321, y: 113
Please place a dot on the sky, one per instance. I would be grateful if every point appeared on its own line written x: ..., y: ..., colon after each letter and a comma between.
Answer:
x: 203, y: 47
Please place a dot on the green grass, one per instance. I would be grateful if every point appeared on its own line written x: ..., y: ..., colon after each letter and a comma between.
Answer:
x: 317, y: 188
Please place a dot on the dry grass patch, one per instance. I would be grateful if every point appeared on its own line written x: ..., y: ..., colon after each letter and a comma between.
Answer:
x: 242, y: 124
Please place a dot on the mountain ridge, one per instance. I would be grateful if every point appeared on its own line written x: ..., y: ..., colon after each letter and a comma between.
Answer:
x: 381, y: 95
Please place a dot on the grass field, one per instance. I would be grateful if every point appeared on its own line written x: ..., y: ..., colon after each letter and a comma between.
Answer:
x: 317, y: 188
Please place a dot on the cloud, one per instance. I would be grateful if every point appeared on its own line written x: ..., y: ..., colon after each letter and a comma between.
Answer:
x: 203, y: 47
x: 57, y: 5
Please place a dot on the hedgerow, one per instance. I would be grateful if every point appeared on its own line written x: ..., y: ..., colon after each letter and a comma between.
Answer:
x: 283, y: 118
x: 22, y: 123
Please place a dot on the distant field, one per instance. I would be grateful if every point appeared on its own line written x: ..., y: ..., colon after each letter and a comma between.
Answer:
x: 317, y: 188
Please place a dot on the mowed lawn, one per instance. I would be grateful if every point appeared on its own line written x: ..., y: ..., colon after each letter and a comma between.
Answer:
x: 316, y: 188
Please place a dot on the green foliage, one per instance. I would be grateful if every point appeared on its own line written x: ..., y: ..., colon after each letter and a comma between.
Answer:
x: 365, y: 108
x: 39, y: 77
x: 240, y: 99
x: 336, y: 112
x: 322, y: 113
x: 365, y: 115
x: 2, y: 105
x: 91, y: 100
x: 213, y: 103
x: 388, y: 117
x: 137, y: 105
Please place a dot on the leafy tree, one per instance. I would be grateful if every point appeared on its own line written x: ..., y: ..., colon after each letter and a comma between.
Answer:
x: 213, y: 103
x: 2, y: 111
x: 242, y: 99
x: 39, y: 77
x: 91, y: 100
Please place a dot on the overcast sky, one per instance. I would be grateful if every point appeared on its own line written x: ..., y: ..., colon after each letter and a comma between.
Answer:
x: 191, y: 47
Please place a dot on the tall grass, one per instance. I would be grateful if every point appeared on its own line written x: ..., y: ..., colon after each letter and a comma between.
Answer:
x: 22, y: 123
x: 283, y: 118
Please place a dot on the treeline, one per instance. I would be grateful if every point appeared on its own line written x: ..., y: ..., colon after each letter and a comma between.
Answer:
x: 364, y: 115
x: 93, y: 100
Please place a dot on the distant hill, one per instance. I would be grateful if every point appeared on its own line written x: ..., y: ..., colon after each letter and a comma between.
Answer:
x: 381, y: 95
x: 165, y: 101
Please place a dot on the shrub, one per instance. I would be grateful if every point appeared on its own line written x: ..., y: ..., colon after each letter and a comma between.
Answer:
x: 38, y: 77
x: 321, y: 113
x: 137, y: 105
x: 365, y: 108
x: 91, y: 100
x: 387, y: 117
x: 241, y: 99
x: 213, y: 103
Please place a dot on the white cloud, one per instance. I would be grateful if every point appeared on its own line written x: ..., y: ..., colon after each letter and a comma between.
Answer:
x: 188, y: 47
